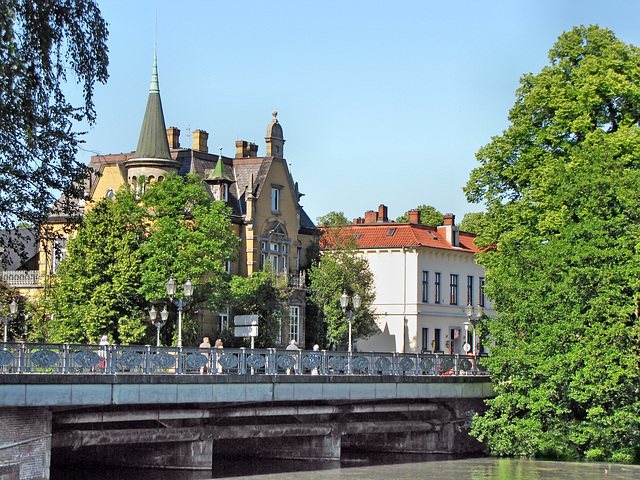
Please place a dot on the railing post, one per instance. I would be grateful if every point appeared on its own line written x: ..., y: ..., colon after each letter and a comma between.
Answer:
x: 180, y: 363
x: 394, y: 363
x: 147, y: 359
x: 66, y: 359
x: 22, y: 357
x: 242, y: 365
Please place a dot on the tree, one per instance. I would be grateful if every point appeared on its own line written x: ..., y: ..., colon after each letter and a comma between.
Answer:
x: 428, y: 216
x: 97, y: 287
x: 472, y: 222
x: 562, y: 259
x: 340, y: 269
x: 41, y: 43
x: 189, y: 236
x: 265, y: 295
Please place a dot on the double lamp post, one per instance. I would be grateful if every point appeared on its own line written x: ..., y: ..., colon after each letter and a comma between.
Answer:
x: 179, y: 302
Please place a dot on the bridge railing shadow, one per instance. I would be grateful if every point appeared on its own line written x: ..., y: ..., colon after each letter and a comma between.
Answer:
x: 144, y: 359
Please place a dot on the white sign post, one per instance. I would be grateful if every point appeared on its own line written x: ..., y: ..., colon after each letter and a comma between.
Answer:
x: 246, y: 326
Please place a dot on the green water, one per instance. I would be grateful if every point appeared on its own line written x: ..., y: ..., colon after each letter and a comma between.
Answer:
x: 467, y: 469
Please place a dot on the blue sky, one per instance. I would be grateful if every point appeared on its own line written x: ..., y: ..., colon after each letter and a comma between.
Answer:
x: 380, y: 102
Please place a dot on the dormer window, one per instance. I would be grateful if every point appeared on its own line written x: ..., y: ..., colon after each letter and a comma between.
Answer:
x: 224, y: 190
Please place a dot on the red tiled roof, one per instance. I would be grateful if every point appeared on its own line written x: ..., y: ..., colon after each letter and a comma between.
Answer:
x: 406, y: 235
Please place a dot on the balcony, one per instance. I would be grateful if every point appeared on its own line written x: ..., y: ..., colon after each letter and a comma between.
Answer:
x: 22, y: 278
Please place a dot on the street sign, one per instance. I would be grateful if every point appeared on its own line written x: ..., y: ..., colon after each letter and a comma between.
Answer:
x: 245, y: 320
x: 466, y: 347
x: 247, y: 331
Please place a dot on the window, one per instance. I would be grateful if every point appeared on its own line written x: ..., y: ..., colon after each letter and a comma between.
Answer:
x: 59, y: 252
x: 453, y: 284
x: 227, y: 266
x: 481, y: 300
x: 425, y: 339
x: 437, y: 288
x: 436, y: 339
x: 469, y: 289
x: 275, y: 199
x: 277, y: 253
x: 294, y: 323
x: 225, y: 192
x: 425, y: 286
x: 224, y: 320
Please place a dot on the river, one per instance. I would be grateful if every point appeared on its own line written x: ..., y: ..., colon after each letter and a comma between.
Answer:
x: 436, y: 469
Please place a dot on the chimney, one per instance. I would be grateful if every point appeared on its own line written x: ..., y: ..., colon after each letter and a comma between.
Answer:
x: 246, y: 149
x: 450, y: 231
x: 449, y: 219
x: 200, y: 140
x: 173, y: 136
x: 382, y: 214
x: 370, y: 216
x: 414, y: 216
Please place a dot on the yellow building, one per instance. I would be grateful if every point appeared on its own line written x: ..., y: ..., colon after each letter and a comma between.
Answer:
x: 260, y: 191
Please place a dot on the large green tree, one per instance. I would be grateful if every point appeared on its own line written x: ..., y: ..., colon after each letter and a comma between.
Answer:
x: 97, y: 287
x: 42, y: 43
x: 340, y: 269
x: 562, y: 263
x: 189, y: 236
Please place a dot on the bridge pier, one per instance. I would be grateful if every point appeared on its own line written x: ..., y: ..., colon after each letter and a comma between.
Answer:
x: 25, y: 443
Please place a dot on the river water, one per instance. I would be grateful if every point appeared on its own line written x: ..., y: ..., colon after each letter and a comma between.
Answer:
x: 435, y: 469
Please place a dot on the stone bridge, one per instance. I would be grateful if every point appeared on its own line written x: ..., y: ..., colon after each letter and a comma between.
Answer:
x: 188, y: 421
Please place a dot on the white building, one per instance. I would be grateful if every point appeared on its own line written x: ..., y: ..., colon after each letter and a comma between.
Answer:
x: 425, y: 277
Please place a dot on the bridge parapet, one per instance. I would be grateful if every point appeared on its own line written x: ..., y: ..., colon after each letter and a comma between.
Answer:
x: 111, y: 359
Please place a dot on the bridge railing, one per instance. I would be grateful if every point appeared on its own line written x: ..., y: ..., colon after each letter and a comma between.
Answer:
x: 144, y: 359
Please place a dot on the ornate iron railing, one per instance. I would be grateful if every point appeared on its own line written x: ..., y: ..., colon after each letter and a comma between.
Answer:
x: 21, y: 278
x: 134, y: 359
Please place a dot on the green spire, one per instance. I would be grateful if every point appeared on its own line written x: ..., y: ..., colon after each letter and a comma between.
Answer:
x: 153, y: 142
x: 219, y: 173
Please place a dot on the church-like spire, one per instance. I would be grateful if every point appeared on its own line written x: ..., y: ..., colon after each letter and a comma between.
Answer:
x: 153, y: 142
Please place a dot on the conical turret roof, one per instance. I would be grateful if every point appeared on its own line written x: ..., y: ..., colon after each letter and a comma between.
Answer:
x: 153, y: 141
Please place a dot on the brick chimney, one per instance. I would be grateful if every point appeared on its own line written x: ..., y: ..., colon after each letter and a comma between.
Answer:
x: 370, y: 216
x: 246, y: 149
x: 173, y: 136
x: 414, y: 216
x: 382, y: 213
x: 449, y: 219
x: 200, y: 141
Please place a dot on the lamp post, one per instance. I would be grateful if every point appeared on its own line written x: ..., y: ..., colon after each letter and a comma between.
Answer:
x: 13, y: 309
x: 473, y: 317
x: 179, y: 302
x: 153, y: 314
x: 344, y: 303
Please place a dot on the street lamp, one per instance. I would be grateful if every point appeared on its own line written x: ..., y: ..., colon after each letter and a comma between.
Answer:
x: 153, y: 314
x: 179, y: 302
x: 344, y: 303
x: 13, y: 309
x: 473, y: 317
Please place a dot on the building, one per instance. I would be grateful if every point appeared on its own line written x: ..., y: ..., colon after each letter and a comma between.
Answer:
x: 425, y: 277
x: 260, y: 191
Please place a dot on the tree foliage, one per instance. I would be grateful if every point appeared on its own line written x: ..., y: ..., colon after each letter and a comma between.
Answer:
x: 472, y: 222
x: 97, y: 289
x: 428, y: 216
x: 41, y: 43
x: 123, y: 254
x: 562, y: 264
x: 340, y: 269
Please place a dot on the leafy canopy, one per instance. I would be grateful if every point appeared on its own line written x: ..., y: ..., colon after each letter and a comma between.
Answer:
x: 340, y: 269
x: 428, y: 216
x: 42, y: 43
x: 562, y: 263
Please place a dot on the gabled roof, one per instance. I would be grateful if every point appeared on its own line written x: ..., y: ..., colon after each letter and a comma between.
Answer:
x: 389, y: 235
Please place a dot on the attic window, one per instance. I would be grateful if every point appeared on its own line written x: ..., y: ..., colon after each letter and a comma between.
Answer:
x: 357, y: 236
x: 433, y: 236
x: 391, y: 232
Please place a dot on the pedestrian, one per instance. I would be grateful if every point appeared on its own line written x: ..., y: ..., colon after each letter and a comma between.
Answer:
x: 292, y: 346
x: 219, y: 354
x: 104, y: 342
x: 205, y: 350
x: 316, y: 348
